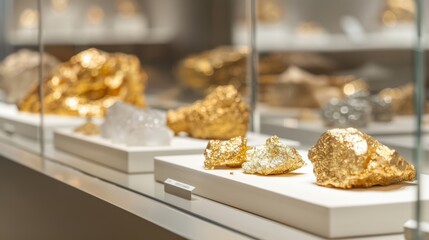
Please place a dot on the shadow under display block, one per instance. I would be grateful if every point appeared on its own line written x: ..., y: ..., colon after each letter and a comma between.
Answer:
x: 134, y: 159
x: 295, y: 199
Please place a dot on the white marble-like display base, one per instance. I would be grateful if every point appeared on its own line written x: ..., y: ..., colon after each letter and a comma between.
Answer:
x: 28, y: 125
x: 133, y: 159
x: 294, y: 199
x: 308, y: 132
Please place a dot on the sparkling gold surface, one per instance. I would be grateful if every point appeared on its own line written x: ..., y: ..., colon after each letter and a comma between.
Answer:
x: 230, y: 153
x: 272, y: 158
x: 88, y: 128
x: 89, y: 83
x: 221, y: 115
x: 348, y: 158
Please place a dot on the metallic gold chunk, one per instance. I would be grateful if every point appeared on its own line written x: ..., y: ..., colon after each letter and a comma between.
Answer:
x: 221, y: 115
x: 89, y: 83
x: 88, y: 128
x: 272, y: 158
x: 230, y: 153
x: 348, y: 158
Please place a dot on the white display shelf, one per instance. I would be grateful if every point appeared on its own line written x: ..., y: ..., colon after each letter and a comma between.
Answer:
x: 85, y: 37
x: 28, y: 125
x: 277, y: 37
x: 294, y: 199
x: 308, y: 132
x: 133, y: 159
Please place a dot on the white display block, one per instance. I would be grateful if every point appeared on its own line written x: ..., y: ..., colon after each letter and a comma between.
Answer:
x: 308, y: 132
x: 294, y: 199
x: 133, y: 159
x: 27, y: 124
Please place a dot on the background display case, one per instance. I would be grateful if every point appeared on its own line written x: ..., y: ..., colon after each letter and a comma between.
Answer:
x: 318, y: 65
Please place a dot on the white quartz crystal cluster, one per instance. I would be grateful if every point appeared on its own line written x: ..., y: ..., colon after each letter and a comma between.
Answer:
x: 135, y: 127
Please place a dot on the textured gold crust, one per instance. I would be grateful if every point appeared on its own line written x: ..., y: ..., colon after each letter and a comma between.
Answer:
x: 221, y: 115
x: 348, y: 158
x: 230, y: 153
x: 88, y: 84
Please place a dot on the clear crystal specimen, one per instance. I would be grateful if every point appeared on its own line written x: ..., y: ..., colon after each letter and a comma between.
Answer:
x: 272, y: 158
x: 135, y: 127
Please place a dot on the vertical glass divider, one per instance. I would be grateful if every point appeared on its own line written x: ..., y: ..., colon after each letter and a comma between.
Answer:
x: 419, y: 81
x: 40, y: 77
x: 252, y: 67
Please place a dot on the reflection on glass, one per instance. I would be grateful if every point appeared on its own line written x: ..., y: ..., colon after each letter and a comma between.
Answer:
x: 60, y: 5
x: 29, y: 18
x: 95, y: 15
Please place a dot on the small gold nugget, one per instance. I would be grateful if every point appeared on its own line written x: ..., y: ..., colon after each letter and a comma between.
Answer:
x: 89, y: 83
x: 348, y: 158
x: 88, y: 128
x: 272, y: 158
x: 221, y: 115
x: 230, y: 153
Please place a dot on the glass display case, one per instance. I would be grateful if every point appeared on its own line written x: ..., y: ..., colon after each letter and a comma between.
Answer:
x: 193, y: 94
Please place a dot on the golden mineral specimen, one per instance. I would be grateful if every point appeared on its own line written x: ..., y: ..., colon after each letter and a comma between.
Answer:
x: 298, y: 88
x: 219, y: 66
x: 89, y: 83
x: 221, y: 115
x: 230, y: 153
x: 272, y: 158
x: 88, y: 128
x: 402, y: 99
x: 348, y: 158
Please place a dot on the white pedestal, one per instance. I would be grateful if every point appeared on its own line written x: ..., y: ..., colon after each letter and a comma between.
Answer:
x: 294, y: 199
x: 308, y: 132
x: 133, y: 159
x: 27, y: 124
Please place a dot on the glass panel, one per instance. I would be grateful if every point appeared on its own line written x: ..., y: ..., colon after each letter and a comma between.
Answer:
x: 162, y: 54
x: 19, y: 72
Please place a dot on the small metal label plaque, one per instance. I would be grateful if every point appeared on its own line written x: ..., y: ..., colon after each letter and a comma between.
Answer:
x: 179, y: 189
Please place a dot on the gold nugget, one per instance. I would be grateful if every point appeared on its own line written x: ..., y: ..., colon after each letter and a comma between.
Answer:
x: 230, y: 153
x: 348, y: 158
x: 221, y: 115
x: 88, y: 128
x: 272, y: 158
x: 89, y: 83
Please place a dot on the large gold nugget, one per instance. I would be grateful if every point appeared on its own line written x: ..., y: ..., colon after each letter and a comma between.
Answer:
x: 221, y: 115
x: 272, y: 158
x: 89, y: 83
x: 230, y: 153
x: 348, y: 158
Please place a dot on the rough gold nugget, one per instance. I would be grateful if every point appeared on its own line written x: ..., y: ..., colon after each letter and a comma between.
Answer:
x: 221, y: 115
x: 89, y: 83
x: 230, y: 153
x: 272, y: 158
x: 348, y: 158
